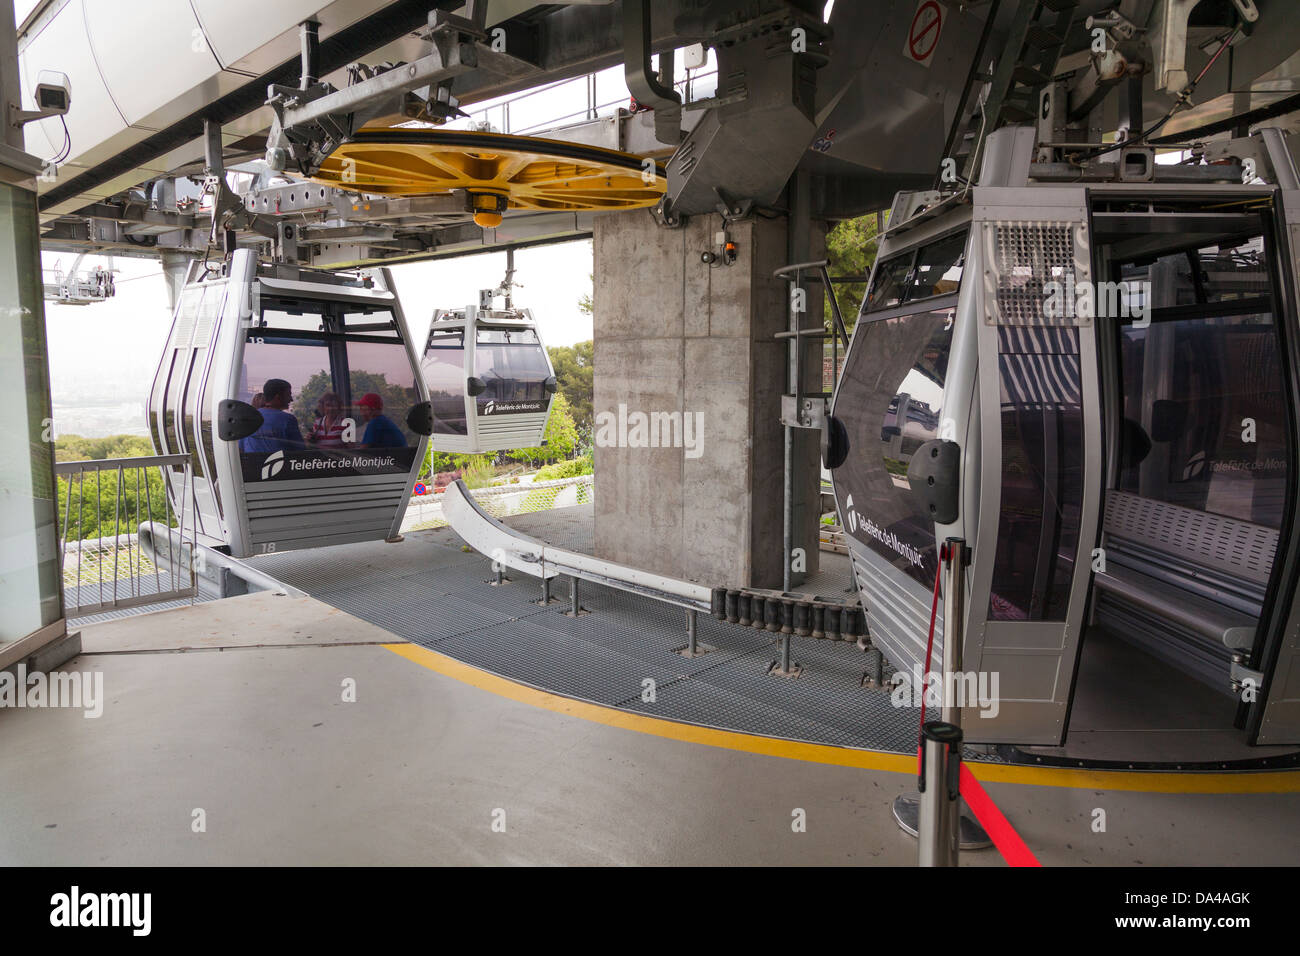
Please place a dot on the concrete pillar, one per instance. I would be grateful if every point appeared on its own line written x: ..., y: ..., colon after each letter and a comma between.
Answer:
x: 674, y: 334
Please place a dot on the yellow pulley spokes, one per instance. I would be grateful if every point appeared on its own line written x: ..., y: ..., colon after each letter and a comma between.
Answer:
x: 498, y: 171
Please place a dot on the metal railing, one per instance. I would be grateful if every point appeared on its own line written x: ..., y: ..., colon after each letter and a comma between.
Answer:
x: 424, y: 512
x: 102, y: 503
x: 501, y: 111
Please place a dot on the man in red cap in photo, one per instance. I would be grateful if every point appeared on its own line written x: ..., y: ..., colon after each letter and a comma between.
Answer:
x: 380, y: 431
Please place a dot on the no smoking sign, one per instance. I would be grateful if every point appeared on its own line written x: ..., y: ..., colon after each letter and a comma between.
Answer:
x: 923, y: 32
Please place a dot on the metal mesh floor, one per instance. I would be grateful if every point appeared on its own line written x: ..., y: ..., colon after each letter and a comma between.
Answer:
x: 429, y: 591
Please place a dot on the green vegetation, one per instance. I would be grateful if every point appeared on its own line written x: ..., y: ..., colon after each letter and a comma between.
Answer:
x: 574, y: 370
x: 93, y: 503
x: 565, y: 469
x: 851, y: 250
x: 478, y: 473
x: 560, y: 437
x: 76, y: 448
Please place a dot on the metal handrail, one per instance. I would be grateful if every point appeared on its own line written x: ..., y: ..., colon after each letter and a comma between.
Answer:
x: 102, y: 464
x: 591, y: 112
x: 123, y: 589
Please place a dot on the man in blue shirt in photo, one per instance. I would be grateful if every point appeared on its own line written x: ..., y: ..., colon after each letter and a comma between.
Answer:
x: 380, y: 431
x: 279, y: 431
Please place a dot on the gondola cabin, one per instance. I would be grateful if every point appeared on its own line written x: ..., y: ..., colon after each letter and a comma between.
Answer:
x: 297, y: 397
x: 489, y: 378
x: 1115, y: 365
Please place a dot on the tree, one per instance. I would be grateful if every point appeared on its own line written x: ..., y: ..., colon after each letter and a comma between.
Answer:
x: 77, y: 448
x: 561, y: 435
x: 851, y: 250
x: 100, y: 505
x: 585, y: 303
x: 574, y: 372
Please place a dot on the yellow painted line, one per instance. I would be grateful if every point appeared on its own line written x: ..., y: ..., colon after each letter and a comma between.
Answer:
x: 1273, y: 781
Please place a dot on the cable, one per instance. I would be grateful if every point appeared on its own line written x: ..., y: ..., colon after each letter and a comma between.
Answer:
x: 1179, y: 102
x: 66, y: 151
x: 975, y: 156
x: 929, y: 651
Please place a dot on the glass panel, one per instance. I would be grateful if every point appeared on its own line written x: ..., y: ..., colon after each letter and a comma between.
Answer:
x: 506, y: 337
x: 938, y: 268
x: 304, y: 316
x: 30, y: 591
x: 1223, y: 273
x: 443, y: 369
x: 1042, y: 474
x: 380, y: 322
x: 891, y: 401
x: 1191, y: 388
x: 383, y: 390
x: 889, y: 284
x: 289, y: 367
x: 332, y: 407
x: 512, y: 364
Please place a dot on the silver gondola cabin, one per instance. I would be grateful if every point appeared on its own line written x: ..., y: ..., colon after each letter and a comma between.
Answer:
x: 297, y: 397
x: 490, y: 381
x: 1109, y: 370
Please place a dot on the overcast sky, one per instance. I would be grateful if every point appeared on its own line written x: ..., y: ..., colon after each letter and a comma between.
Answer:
x: 105, y: 354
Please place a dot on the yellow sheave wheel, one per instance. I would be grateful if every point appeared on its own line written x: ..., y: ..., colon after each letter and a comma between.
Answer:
x: 538, y: 174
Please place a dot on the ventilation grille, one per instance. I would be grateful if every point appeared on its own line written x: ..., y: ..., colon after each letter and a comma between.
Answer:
x: 1237, y: 547
x: 494, y: 426
x: 1025, y: 257
x: 288, y: 511
x: 203, y: 321
x: 183, y: 330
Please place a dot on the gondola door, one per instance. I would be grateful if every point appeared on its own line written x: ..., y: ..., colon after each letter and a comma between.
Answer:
x: 1039, y: 471
x: 1274, y: 717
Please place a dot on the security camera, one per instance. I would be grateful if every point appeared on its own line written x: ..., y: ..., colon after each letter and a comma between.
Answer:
x: 53, y: 97
x: 52, y: 100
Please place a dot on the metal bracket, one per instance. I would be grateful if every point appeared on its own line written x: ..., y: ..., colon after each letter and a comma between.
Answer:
x: 807, y: 412
x: 311, y: 123
x: 732, y: 210
x: 664, y: 215
x: 1169, y: 44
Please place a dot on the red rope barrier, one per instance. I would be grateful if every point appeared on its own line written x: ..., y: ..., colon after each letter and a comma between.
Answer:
x: 1002, y: 833
x: 929, y: 650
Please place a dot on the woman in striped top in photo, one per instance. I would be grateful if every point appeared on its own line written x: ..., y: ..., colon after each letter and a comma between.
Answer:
x: 330, y: 424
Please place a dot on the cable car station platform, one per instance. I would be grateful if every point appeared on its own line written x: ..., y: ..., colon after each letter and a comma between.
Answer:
x: 1007, y: 294
x: 470, y: 698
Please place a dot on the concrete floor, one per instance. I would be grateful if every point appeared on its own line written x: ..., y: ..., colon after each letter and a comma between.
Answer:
x: 249, y: 726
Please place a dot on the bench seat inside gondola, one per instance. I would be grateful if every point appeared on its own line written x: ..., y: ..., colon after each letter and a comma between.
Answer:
x: 1185, y: 585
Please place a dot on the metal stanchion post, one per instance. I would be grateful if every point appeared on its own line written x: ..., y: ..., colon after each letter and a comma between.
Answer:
x: 575, y: 609
x: 940, y: 794
x: 907, y: 808
x: 693, y: 646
